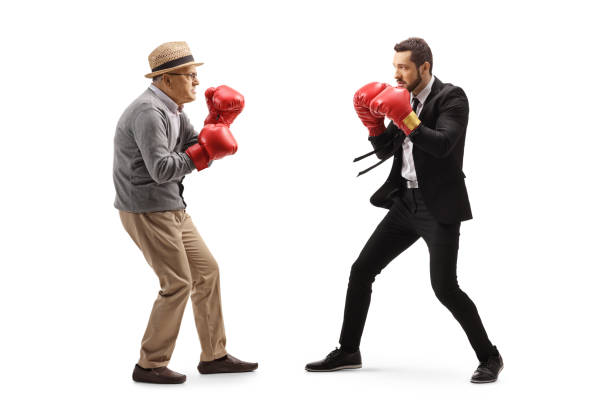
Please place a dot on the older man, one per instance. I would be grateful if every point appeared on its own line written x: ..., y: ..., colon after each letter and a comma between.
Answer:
x: 155, y: 147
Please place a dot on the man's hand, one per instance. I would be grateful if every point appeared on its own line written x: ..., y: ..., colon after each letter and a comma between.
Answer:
x: 361, y: 101
x: 394, y: 103
x: 224, y: 104
x: 214, y: 142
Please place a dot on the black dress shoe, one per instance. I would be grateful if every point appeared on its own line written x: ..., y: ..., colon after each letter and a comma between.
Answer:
x: 336, y: 360
x: 489, y: 370
x: 159, y: 375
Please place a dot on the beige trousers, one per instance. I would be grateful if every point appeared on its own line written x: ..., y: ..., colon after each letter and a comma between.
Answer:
x: 185, y: 267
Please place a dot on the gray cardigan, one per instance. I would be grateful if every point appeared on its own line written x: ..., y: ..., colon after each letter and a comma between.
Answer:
x: 148, y: 165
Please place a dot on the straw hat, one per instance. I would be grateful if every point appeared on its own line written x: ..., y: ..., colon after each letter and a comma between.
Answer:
x: 170, y: 56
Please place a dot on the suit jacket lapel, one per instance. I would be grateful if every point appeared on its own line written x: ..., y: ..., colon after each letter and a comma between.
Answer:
x: 435, y: 90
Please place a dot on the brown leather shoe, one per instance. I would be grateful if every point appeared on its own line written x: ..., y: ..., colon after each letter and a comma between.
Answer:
x: 159, y: 375
x: 226, y: 364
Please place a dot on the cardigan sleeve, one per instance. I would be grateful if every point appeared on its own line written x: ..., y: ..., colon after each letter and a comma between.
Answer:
x: 151, y: 137
x: 190, y: 136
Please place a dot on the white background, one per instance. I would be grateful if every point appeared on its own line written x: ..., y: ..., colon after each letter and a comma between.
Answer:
x: 285, y: 217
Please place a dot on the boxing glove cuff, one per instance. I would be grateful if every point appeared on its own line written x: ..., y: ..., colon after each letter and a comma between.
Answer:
x: 198, y: 156
x: 411, y: 121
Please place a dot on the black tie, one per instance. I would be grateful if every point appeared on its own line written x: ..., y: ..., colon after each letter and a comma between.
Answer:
x: 415, y: 103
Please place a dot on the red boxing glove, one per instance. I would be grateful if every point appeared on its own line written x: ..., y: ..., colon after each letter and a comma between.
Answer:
x: 224, y: 104
x: 361, y: 101
x: 394, y: 103
x: 215, y: 142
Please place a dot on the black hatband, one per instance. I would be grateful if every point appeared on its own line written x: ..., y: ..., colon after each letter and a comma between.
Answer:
x: 174, y: 63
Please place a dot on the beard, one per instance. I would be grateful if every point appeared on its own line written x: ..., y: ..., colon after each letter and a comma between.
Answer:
x: 411, y: 87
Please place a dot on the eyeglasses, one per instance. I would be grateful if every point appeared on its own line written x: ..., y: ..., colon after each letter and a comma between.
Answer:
x: 192, y: 75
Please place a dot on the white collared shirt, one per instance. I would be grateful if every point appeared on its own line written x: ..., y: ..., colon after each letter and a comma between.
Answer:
x: 408, y: 171
x: 175, y: 111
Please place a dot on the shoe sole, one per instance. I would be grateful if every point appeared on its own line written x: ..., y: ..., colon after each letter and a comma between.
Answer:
x: 487, y: 382
x: 246, y: 370
x: 226, y: 372
x: 154, y: 381
x: 349, y: 367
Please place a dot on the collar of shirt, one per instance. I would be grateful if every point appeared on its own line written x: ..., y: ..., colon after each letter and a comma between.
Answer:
x: 422, y: 96
x: 174, y: 108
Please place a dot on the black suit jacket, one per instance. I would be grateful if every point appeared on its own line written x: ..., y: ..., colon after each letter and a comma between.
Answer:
x: 438, y: 155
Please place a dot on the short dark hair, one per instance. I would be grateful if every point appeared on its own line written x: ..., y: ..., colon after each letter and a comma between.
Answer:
x: 421, y: 52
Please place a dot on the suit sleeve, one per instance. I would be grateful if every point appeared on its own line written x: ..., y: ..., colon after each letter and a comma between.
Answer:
x: 449, y: 129
x: 385, y: 144
x: 162, y: 164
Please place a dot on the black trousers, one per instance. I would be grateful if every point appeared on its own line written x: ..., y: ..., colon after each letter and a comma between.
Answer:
x: 406, y: 222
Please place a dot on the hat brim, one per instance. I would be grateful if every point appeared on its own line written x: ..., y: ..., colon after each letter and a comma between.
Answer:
x: 163, y: 71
